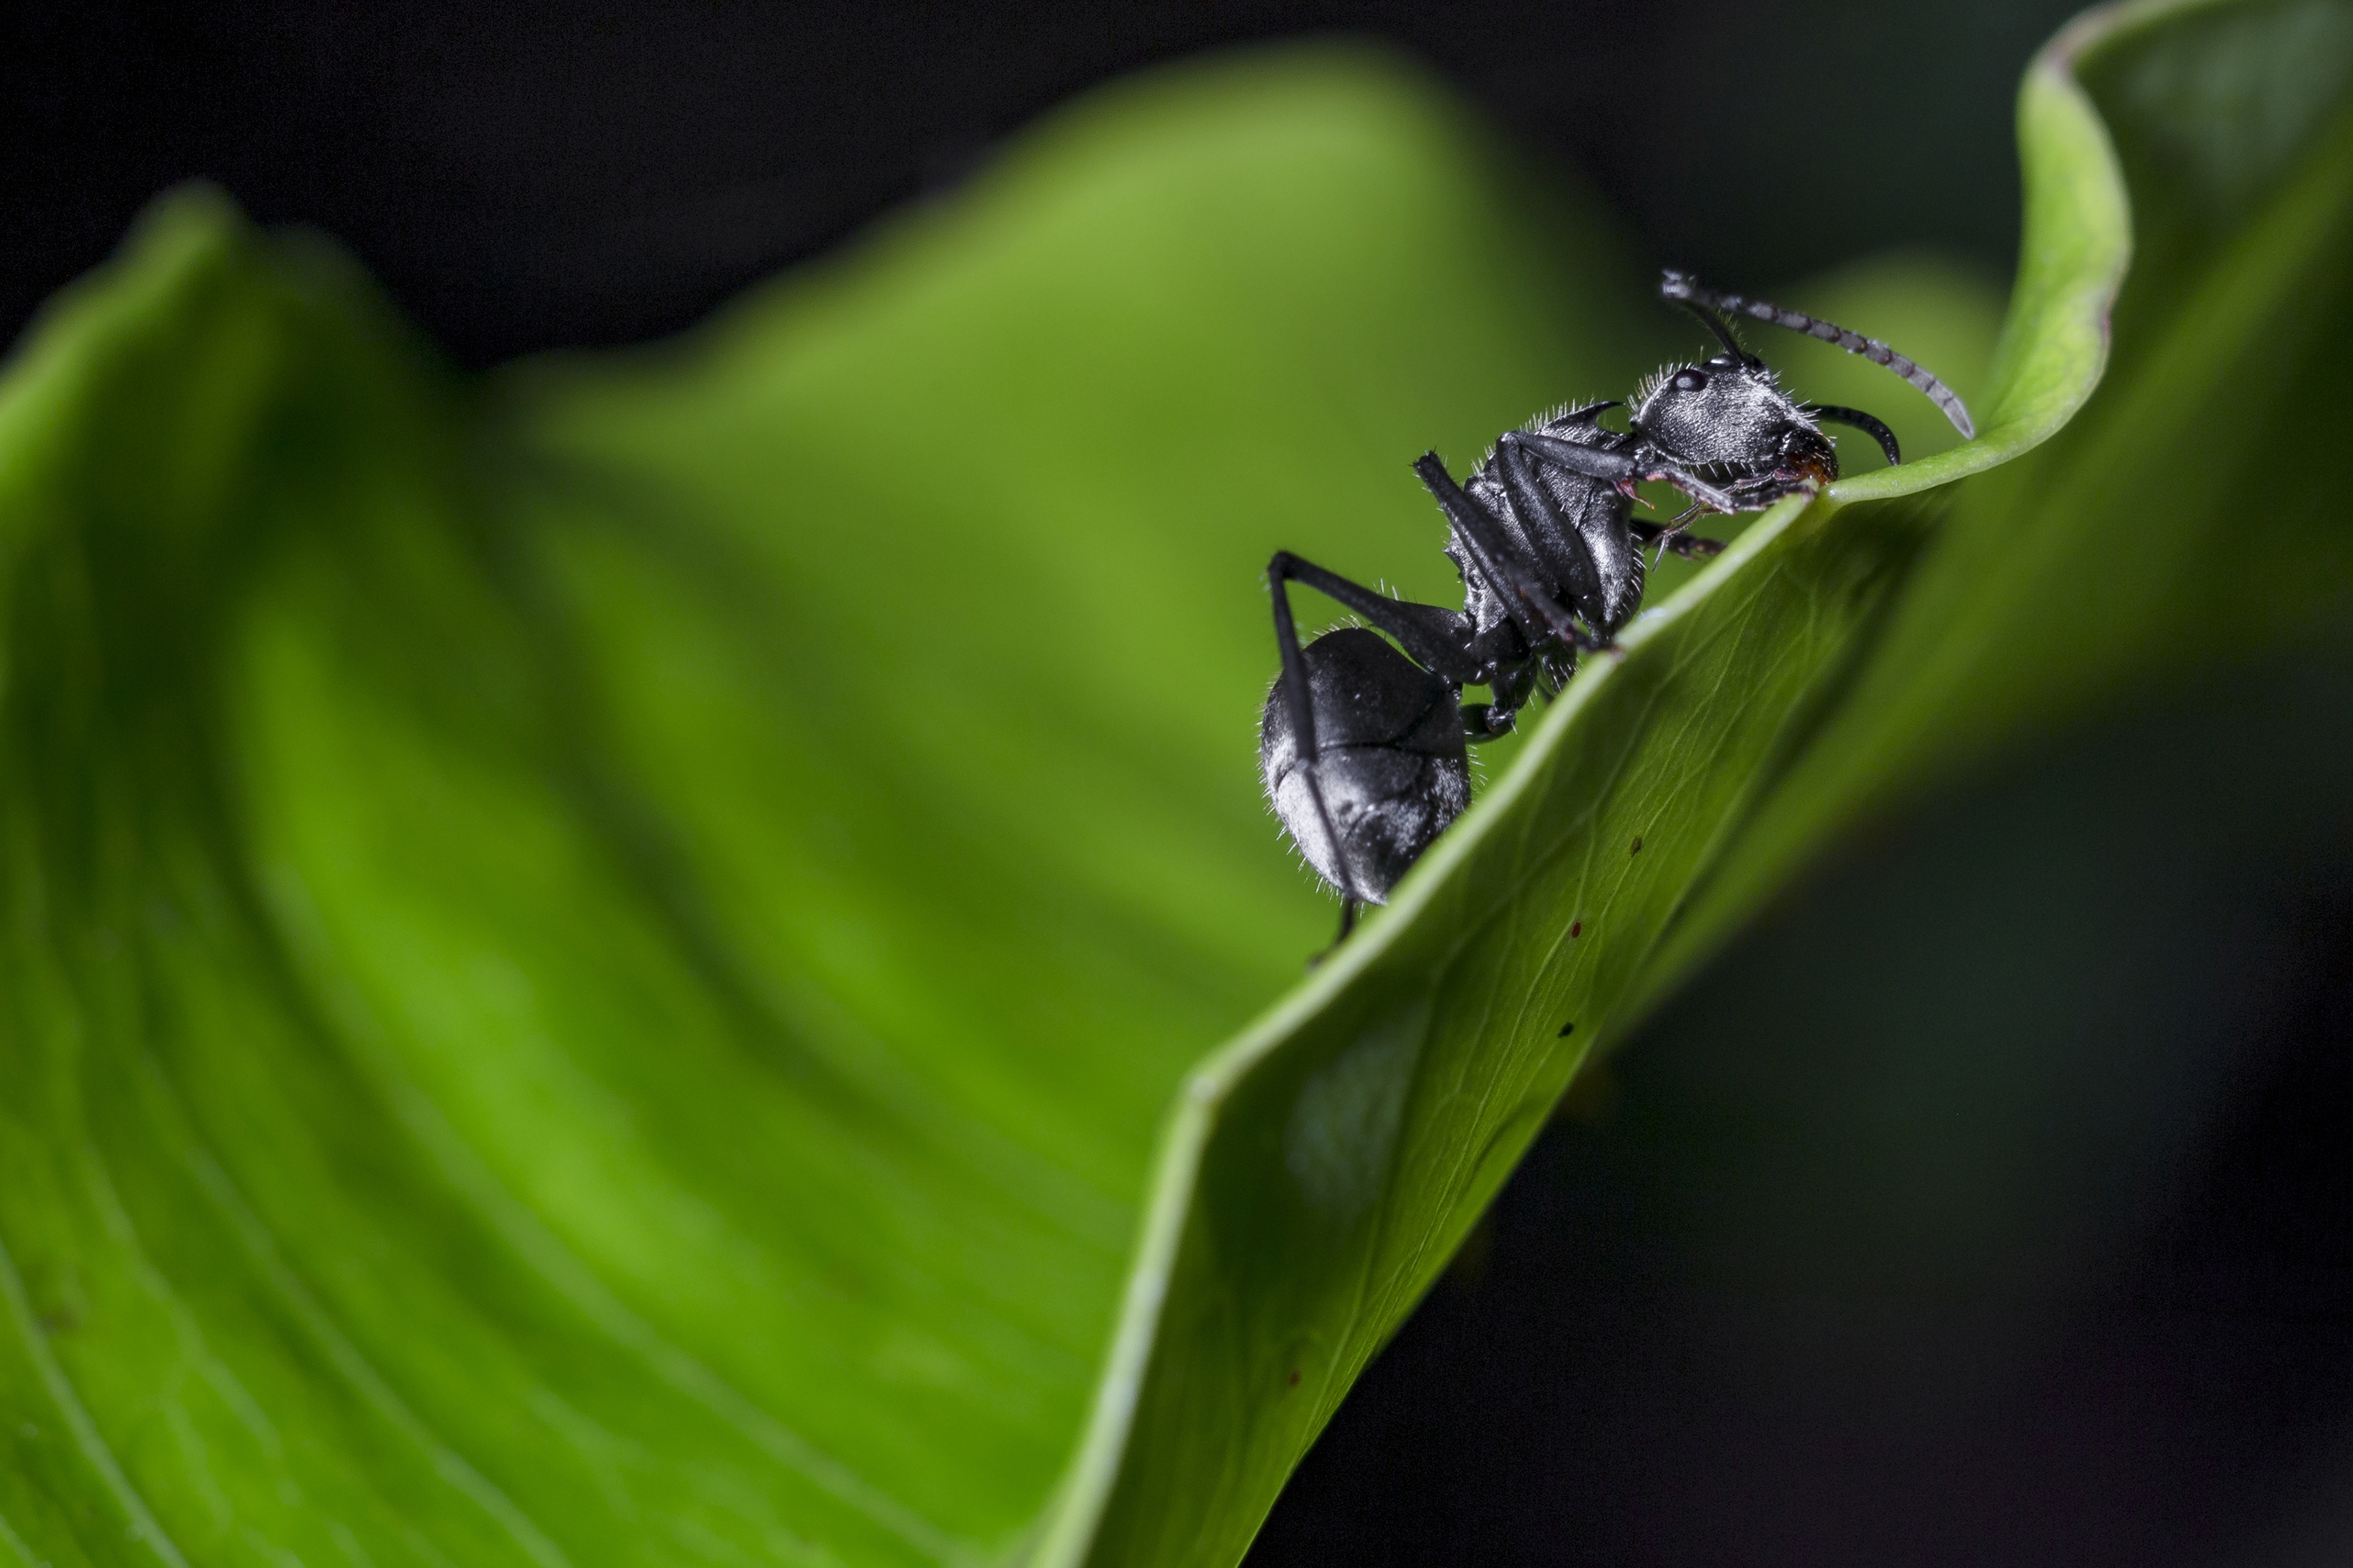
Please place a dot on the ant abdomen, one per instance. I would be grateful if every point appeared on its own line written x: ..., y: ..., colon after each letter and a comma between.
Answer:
x: 1390, y: 761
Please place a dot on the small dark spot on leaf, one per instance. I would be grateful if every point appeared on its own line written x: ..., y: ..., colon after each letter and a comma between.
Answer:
x: 1566, y: 1027
x: 1638, y: 846
x: 1294, y: 1377
x: 1576, y: 928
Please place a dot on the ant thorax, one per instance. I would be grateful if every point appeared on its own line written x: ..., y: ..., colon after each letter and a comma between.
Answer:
x: 1564, y: 551
x: 1732, y: 419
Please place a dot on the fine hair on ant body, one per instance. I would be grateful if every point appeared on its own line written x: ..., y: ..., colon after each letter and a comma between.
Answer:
x: 1363, y: 747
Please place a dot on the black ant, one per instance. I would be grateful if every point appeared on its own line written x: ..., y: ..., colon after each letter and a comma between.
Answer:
x: 1363, y: 748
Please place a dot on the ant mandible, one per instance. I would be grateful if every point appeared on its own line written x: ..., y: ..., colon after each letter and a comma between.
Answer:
x: 1363, y: 748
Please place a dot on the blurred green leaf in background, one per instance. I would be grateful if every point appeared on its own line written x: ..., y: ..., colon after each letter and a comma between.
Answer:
x: 626, y: 961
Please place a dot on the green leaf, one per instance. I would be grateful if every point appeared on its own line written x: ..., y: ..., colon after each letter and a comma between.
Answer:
x: 2160, y: 537
x: 1534, y: 930
x: 593, y: 961
x: 594, y: 967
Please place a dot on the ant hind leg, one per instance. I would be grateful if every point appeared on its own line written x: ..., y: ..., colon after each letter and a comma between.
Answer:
x: 1439, y: 656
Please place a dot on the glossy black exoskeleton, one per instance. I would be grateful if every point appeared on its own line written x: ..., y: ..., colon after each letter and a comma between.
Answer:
x: 1362, y: 746
x: 1391, y: 765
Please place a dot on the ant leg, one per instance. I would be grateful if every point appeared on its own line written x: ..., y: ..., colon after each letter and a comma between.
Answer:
x: 1439, y: 639
x: 1301, y: 704
x: 1756, y: 495
x: 1486, y: 722
x: 1672, y: 536
x: 1600, y: 558
x: 1617, y: 469
x: 1436, y: 638
x: 1497, y: 561
x: 1349, y: 908
x: 1868, y: 424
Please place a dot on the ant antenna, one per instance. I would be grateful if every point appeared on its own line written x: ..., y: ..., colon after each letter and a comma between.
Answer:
x: 1685, y: 289
x: 1721, y: 328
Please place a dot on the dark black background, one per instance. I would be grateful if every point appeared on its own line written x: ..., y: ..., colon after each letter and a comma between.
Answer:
x: 529, y: 174
x: 1989, y: 1204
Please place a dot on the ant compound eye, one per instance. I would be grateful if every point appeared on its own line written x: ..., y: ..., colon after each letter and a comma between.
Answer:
x: 1690, y: 380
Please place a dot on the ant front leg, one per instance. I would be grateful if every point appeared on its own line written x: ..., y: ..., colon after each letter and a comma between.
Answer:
x: 1617, y: 469
x: 1672, y: 536
x: 1756, y: 495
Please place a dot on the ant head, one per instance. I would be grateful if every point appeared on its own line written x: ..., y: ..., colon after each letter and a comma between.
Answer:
x: 1727, y: 414
x: 1730, y: 415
